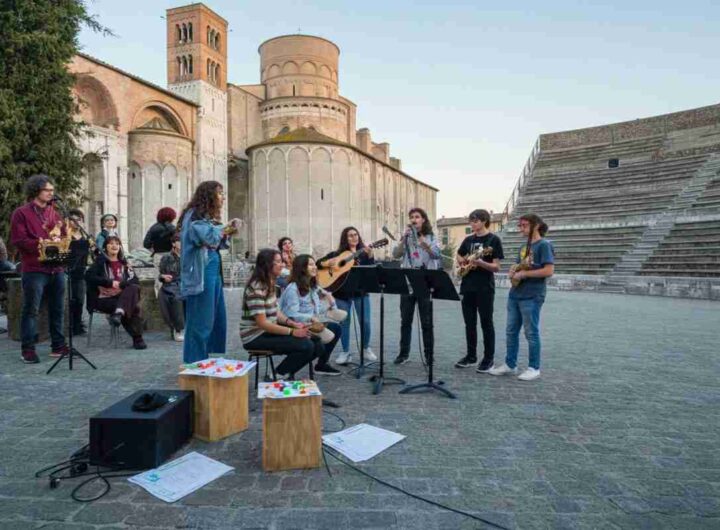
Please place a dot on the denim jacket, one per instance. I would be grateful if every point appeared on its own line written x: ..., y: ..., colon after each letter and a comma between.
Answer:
x: 197, y: 236
x: 299, y: 308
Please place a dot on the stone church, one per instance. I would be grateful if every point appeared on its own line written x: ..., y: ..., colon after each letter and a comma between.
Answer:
x: 287, y: 149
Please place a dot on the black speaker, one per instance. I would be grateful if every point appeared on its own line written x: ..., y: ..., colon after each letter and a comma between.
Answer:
x: 122, y: 437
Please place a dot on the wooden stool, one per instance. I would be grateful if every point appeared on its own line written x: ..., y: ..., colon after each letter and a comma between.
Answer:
x: 292, y: 433
x: 220, y: 405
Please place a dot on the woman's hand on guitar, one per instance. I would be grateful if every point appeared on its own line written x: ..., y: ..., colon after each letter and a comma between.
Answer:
x: 369, y: 251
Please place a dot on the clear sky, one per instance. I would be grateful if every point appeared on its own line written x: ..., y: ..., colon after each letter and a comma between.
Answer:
x: 461, y: 90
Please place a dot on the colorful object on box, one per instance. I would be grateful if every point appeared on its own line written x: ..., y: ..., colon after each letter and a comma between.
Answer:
x: 224, y: 368
x: 288, y: 389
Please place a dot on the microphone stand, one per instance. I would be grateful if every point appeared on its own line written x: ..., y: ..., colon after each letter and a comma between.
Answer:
x: 71, y: 350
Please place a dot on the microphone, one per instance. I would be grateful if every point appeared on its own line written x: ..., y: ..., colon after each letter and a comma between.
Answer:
x: 387, y: 232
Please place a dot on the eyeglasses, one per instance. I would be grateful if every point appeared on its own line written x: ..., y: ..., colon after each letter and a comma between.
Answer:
x: 47, y: 189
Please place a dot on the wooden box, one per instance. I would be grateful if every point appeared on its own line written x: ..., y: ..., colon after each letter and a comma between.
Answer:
x: 220, y: 405
x: 292, y: 433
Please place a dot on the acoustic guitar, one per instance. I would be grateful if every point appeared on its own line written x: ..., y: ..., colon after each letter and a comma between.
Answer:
x: 480, y: 253
x: 332, y: 278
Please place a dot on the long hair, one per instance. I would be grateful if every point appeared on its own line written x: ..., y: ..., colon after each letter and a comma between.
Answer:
x: 263, y: 266
x: 204, y: 201
x: 344, y: 245
x: 426, y: 228
x: 34, y: 184
x: 535, y: 222
x: 299, y: 274
x: 121, y: 254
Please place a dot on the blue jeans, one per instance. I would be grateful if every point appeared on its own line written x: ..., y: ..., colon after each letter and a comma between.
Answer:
x: 205, y: 317
x: 346, y: 305
x: 34, y: 284
x: 523, y: 312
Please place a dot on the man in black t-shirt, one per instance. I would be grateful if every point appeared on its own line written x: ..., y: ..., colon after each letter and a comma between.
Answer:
x: 480, y: 253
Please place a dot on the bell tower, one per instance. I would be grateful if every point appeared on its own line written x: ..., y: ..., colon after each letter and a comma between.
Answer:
x: 197, y: 70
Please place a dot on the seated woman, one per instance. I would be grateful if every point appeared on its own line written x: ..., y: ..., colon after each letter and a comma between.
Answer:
x: 108, y: 224
x: 114, y: 289
x: 171, y: 306
x: 264, y: 327
x: 287, y: 253
x: 300, y: 302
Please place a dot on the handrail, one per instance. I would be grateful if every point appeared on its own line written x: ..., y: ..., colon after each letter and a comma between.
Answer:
x: 524, y: 175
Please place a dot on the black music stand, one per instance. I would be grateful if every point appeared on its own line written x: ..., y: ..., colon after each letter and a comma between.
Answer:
x: 361, y: 280
x: 390, y: 281
x: 431, y: 284
x: 66, y: 263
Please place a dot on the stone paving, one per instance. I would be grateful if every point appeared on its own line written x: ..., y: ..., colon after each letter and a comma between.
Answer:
x: 621, y: 431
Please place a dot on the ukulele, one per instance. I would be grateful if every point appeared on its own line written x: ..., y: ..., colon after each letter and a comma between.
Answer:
x: 332, y: 278
x: 480, y: 253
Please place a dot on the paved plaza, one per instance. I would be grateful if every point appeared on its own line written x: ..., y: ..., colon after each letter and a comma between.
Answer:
x: 621, y: 431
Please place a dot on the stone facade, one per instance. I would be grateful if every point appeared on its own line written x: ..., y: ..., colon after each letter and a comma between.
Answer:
x: 148, y: 147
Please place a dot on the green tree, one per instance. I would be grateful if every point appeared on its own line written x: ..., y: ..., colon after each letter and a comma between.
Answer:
x: 38, y: 129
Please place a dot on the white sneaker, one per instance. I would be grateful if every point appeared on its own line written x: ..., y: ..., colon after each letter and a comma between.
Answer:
x: 370, y: 355
x: 529, y: 374
x: 504, y: 369
x: 179, y: 336
x: 343, y: 358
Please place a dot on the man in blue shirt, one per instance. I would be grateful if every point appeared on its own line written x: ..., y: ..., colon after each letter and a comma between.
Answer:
x: 534, y: 264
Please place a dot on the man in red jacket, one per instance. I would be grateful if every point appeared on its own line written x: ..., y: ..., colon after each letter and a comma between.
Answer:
x: 28, y: 225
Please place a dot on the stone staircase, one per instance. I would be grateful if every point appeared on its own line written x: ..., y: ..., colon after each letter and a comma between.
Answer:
x: 631, y: 263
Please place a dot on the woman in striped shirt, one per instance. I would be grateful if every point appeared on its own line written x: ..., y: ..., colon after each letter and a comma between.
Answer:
x: 264, y: 327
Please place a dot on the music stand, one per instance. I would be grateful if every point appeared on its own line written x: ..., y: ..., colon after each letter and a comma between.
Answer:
x: 430, y: 284
x: 361, y: 280
x: 390, y: 281
x: 67, y: 263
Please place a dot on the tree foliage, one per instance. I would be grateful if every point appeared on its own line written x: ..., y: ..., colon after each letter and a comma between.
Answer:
x: 38, y: 131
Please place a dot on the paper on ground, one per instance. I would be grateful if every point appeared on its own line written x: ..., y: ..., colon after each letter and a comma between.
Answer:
x: 180, y: 477
x: 362, y: 442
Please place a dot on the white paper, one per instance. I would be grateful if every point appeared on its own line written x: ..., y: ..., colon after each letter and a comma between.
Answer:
x: 180, y: 477
x: 362, y: 442
x: 218, y: 367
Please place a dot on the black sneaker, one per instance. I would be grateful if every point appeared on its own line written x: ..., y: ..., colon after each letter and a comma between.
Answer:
x: 326, y: 369
x: 401, y: 359
x: 466, y: 362
x: 485, y: 366
x: 115, y: 319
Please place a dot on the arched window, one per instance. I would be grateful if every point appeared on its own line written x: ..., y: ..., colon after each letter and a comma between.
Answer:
x: 217, y: 73
x: 208, y: 69
x: 184, y: 33
x: 190, y: 35
x: 217, y: 41
x: 190, y: 64
x: 178, y: 32
x: 179, y: 67
x: 185, y: 65
x: 207, y: 33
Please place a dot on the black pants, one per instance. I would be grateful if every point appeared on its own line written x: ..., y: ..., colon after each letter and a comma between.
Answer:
x: 172, y: 309
x: 407, y: 311
x: 298, y: 352
x: 474, y: 304
x: 77, y: 301
x: 129, y: 302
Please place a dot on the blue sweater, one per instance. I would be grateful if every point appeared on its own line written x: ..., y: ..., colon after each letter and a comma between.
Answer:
x: 299, y: 308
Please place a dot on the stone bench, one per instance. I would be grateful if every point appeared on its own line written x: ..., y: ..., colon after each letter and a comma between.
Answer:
x: 148, y: 303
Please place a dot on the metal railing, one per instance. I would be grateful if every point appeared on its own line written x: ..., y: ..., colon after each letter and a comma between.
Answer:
x: 522, y: 179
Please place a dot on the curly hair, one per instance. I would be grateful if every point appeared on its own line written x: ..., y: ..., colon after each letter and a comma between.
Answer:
x: 426, y: 228
x: 204, y: 202
x: 34, y: 185
x: 262, y: 273
x: 300, y: 276
x: 344, y: 245
x: 166, y: 215
x: 121, y: 254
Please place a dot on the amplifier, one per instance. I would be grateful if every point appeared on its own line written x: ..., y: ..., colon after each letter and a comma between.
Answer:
x: 122, y: 437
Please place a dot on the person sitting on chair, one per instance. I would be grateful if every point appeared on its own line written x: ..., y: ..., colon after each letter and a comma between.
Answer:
x: 171, y: 306
x: 264, y: 327
x: 114, y: 289
x: 108, y: 224
x: 300, y: 302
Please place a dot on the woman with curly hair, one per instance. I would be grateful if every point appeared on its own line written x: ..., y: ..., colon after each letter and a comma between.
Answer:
x: 202, y: 235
